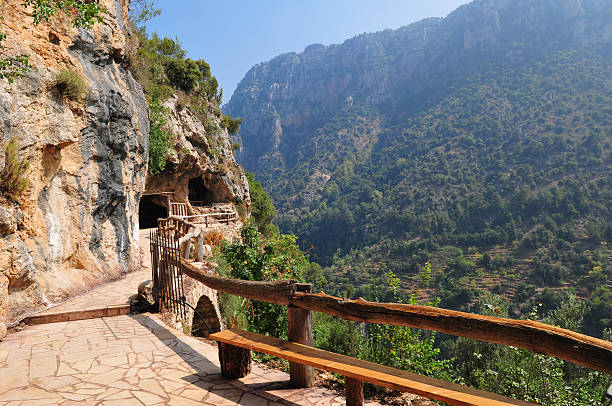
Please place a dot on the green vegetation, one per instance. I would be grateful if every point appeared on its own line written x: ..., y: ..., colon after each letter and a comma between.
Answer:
x: 261, y: 259
x: 14, y: 174
x: 232, y: 124
x: 501, y: 181
x: 262, y: 209
x: 164, y: 70
x: 494, y: 169
x: 71, y: 84
x: 84, y: 15
x: 160, y: 141
x: 521, y: 374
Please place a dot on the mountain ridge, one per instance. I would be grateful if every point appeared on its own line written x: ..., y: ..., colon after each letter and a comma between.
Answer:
x: 485, y: 132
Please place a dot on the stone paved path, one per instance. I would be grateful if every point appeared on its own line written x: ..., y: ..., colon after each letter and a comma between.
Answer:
x: 132, y: 360
x: 113, y: 293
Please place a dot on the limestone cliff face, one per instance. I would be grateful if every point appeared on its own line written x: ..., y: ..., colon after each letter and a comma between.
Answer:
x: 288, y: 100
x: 77, y: 224
x: 203, y: 155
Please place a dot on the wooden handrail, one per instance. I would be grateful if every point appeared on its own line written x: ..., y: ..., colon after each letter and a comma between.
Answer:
x: 278, y: 292
x: 531, y: 335
x: 528, y: 334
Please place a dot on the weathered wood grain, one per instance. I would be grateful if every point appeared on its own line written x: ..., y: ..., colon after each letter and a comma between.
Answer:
x: 300, y: 331
x: 235, y: 361
x: 354, y: 392
x: 531, y: 335
x: 278, y: 292
x: 359, y: 370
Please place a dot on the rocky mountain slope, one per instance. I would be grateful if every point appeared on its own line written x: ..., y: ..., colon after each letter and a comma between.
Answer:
x: 485, y: 132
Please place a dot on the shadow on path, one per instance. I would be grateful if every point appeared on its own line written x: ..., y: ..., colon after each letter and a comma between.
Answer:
x: 208, y: 375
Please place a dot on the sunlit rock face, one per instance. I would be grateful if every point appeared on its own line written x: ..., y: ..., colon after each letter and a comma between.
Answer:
x: 77, y: 224
x: 201, y: 166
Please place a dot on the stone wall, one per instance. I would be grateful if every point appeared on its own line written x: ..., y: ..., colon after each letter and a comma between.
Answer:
x: 77, y: 224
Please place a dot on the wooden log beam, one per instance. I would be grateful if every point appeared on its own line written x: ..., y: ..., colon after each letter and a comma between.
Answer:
x: 278, y: 292
x: 531, y: 335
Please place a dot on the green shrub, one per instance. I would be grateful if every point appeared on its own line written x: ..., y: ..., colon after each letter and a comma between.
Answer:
x: 262, y: 208
x: 261, y: 259
x: 13, y: 175
x: 183, y: 74
x: 232, y: 124
x: 71, y: 84
x: 160, y: 141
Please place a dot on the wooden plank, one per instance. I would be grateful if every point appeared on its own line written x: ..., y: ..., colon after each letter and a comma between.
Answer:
x: 359, y: 370
x: 531, y: 335
x: 278, y: 292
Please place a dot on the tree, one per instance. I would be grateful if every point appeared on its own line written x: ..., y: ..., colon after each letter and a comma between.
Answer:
x: 262, y: 208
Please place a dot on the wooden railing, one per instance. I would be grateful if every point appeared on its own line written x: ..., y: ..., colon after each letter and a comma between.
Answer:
x: 223, y: 217
x: 531, y: 335
x: 188, y: 232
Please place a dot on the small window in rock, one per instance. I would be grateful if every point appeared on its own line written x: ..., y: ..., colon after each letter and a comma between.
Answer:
x: 53, y: 38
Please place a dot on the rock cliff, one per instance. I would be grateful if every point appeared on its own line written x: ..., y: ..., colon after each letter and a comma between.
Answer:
x: 77, y: 224
x: 201, y: 167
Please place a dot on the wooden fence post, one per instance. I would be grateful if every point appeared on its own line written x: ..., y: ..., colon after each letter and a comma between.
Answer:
x: 235, y: 361
x: 354, y: 392
x: 200, y: 247
x: 300, y: 331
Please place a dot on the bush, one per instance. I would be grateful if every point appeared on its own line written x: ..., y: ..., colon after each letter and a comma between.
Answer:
x: 261, y: 259
x: 159, y: 140
x: 71, y: 84
x: 13, y: 175
x: 262, y: 208
x: 183, y: 74
x: 232, y: 124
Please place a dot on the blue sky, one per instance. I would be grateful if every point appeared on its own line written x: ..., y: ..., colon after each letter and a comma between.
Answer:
x: 234, y: 35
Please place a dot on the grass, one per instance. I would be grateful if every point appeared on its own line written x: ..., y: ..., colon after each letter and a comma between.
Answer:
x: 71, y: 84
x: 14, y: 174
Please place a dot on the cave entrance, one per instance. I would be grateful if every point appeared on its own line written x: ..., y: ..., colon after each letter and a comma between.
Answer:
x: 149, y: 210
x: 199, y: 195
x: 207, y: 311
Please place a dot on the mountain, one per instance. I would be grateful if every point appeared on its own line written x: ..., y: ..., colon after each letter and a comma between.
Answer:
x: 480, y: 142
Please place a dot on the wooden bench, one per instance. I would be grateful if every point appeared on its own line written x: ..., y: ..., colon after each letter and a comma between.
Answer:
x: 355, y: 370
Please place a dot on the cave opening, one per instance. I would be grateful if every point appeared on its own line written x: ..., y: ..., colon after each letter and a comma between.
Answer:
x: 149, y: 211
x: 199, y: 195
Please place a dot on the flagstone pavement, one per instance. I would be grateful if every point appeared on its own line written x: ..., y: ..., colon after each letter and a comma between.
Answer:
x: 132, y: 360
